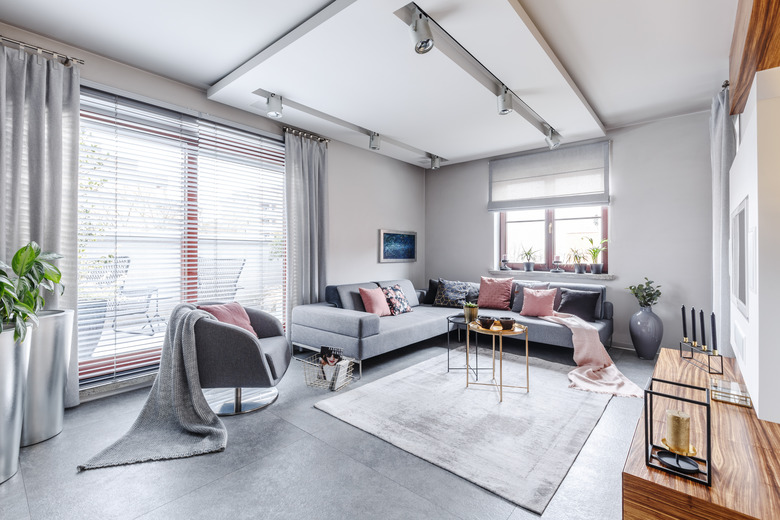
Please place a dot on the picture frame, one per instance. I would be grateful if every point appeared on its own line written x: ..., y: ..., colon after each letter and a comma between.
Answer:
x: 397, y: 246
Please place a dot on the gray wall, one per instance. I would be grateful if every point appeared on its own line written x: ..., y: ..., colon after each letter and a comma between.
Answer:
x: 369, y: 192
x: 659, y: 221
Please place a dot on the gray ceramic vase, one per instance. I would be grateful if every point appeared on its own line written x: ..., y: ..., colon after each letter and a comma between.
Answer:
x: 647, y: 331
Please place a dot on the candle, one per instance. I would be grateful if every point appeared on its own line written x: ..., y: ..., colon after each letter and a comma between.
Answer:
x: 714, y: 335
x: 685, y: 325
x: 693, y: 325
x: 557, y: 258
x: 703, y: 330
x: 678, y: 431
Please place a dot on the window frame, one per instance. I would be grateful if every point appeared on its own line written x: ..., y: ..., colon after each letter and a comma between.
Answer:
x: 549, y: 246
x: 145, y: 360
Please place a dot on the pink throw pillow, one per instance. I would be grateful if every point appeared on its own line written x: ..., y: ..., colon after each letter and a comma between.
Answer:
x: 495, y: 293
x: 374, y: 301
x: 538, y: 302
x: 233, y: 313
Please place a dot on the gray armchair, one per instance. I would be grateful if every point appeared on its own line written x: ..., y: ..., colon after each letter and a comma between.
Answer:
x: 231, y: 357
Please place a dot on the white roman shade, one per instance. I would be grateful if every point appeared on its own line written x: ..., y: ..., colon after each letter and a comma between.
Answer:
x: 569, y: 176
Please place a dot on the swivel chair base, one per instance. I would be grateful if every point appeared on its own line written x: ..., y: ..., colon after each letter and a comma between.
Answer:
x: 242, y: 400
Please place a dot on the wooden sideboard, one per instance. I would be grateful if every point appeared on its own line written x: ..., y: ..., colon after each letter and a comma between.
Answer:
x: 745, y: 461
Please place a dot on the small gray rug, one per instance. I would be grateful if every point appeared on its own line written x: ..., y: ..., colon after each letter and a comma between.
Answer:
x: 520, y: 449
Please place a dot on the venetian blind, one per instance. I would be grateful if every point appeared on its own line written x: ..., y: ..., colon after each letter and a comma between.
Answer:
x: 569, y: 176
x: 172, y: 209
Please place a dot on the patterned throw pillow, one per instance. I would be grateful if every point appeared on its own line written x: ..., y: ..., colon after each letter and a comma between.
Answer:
x: 494, y: 293
x: 451, y: 294
x: 396, y: 300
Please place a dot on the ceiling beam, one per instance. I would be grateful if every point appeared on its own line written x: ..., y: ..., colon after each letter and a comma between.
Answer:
x: 301, y: 30
x: 755, y: 46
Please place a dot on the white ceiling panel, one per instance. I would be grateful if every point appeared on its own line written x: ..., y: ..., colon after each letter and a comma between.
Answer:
x: 347, y: 67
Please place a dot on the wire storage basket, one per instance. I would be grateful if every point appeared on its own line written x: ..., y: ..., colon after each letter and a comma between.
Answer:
x: 319, y: 375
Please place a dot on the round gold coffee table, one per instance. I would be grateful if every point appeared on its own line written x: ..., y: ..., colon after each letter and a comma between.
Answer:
x: 494, y: 331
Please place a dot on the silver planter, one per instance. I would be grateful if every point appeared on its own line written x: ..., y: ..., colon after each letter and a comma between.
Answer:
x: 47, y: 376
x: 14, y: 359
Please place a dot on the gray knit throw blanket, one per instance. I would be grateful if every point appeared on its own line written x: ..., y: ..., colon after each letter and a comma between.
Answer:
x: 176, y: 421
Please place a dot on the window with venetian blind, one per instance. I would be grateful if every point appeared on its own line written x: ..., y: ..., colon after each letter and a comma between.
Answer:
x: 172, y: 209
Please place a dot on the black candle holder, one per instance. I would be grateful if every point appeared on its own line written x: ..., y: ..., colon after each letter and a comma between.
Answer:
x: 714, y: 364
x: 686, y: 465
x: 557, y: 269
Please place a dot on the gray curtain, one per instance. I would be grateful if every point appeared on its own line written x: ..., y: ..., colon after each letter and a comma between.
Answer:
x: 723, y: 148
x: 306, y: 195
x: 39, y: 130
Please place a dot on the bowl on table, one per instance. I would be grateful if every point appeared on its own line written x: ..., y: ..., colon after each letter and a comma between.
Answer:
x: 507, y: 322
x: 485, y: 321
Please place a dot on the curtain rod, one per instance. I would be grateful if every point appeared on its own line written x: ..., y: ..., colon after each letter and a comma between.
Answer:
x: 41, y: 50
x: 301, y: 133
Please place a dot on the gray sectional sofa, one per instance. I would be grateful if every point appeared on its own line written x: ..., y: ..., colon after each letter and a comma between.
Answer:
x: 342, y: 321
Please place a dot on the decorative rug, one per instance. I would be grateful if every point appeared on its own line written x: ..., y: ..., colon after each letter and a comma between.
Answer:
x: 520, y: 449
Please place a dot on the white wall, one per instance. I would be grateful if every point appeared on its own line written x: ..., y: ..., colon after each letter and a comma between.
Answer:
x: 369, y: 192
x: 659, y: 221
x: 754, y: 175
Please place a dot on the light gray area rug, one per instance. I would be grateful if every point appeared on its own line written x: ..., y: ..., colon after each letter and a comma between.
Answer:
x: 520, y: 449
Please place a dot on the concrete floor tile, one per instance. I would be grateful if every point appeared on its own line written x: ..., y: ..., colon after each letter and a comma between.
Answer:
x: 13, y: 499
x: 308, y: 479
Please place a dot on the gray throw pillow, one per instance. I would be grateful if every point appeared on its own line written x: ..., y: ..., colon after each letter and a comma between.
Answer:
x: 579, y: 303
x: 451, y: 293
x: 517, y: 303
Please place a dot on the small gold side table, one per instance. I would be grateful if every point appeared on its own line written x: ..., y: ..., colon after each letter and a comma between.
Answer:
x: 494, y: 331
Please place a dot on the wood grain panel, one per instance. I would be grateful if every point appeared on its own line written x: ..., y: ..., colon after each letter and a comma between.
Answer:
x: 755, y: 46
x: 745, y: 462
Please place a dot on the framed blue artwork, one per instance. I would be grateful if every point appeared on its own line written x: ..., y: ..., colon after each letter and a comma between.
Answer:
x: 397, y: 246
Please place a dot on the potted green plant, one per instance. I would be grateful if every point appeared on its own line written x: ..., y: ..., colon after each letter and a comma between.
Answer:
x: 49, y: 346
x: 645, y: 327
x: 470, y: 311
x: 576, y: 258
x: 15, y: 315
x: 528, y: 254
x: 594, y: 250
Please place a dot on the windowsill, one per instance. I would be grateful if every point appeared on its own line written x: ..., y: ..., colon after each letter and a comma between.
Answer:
x: 546, y: 275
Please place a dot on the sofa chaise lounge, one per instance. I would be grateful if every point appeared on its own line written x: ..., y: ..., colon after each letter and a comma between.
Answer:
x: 342, y: 321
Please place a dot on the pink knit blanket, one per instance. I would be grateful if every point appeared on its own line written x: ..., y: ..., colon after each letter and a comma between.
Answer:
x: 595, y: 370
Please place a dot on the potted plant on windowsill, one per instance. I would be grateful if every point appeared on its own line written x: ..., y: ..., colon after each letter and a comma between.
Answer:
x: 528, y: 254
x: 646, y: 328
x: 595, y: 251
x: 576, y: 256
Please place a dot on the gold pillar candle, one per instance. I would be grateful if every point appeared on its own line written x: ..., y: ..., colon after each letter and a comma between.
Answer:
x: 678, y: 431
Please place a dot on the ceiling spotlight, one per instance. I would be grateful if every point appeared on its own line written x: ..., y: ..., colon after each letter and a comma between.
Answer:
x: 435, y: 162
x: 421, y: 32
x: 505, y: 102
x: 374, y: 141
x: 274, y: 106
x: 553, y: 138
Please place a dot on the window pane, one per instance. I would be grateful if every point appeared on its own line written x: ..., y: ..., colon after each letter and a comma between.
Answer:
x: 529, y: 214
x: 171, y: 209
x: 521, y: 236
x: 573, y: 226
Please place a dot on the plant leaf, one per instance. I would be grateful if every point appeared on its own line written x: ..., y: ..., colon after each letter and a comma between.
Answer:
x: 25, y: 258
x: 50, y: 272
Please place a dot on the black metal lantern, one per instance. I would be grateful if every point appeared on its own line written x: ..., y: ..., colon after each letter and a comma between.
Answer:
x: 672, y: 455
